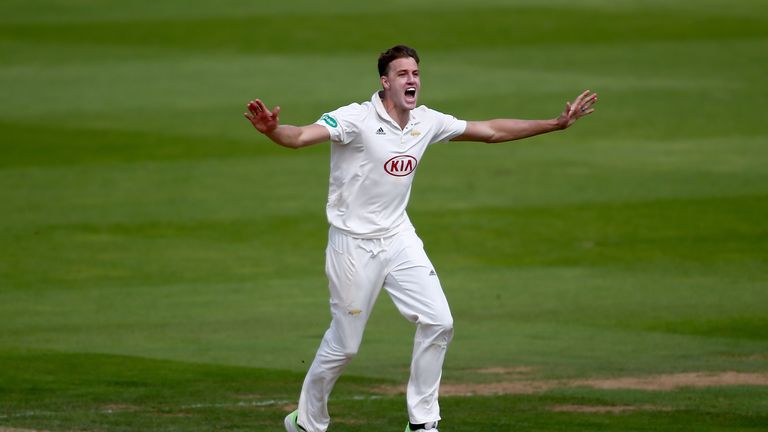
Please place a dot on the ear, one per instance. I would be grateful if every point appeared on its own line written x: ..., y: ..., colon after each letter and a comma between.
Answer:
x: 384, y: 82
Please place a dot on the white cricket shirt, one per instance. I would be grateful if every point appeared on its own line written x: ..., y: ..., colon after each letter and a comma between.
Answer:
x: 373, y: 162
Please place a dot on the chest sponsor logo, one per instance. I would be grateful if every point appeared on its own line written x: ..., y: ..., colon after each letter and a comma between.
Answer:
x: 400, y: 166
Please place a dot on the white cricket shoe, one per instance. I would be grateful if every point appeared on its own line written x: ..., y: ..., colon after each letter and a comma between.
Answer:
x: 429, y: 427
x: 291, y: 422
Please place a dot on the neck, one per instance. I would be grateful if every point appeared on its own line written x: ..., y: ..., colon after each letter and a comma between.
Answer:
x: 400, y: 116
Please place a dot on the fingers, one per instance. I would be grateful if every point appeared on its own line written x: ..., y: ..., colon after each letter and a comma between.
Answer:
x: 589, y: 98
x: 580, y: 98
x: 570, y: 109
x: 252, y: 111
x: 261, y: 107
x: 580, y: 107
x: 257, y: 107
x: 262, y: 118
x: 583, y: 103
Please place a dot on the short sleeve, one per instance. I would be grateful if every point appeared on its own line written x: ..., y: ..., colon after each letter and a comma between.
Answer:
x: 447, y: 126
x: 344, y: 123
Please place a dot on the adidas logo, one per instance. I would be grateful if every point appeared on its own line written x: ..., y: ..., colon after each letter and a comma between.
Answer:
x: 432, y: 273
x: 380, y: 131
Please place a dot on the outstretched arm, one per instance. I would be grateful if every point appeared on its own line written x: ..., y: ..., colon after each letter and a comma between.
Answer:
x: 268, y: 123
x: 501, y: 130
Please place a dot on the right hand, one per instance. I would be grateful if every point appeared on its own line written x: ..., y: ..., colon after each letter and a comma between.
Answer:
x: 261, y: 118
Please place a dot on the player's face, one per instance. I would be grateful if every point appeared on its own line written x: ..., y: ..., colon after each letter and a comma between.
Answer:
x: 402, y: 83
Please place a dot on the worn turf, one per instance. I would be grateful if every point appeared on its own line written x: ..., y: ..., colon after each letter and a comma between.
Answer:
x: 161, y: 264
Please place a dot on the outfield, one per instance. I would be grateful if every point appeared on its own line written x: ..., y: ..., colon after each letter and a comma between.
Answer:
x: 161, y: 264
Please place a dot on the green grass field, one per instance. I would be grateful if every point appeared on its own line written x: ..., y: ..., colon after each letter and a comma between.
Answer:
x: 161, y: 263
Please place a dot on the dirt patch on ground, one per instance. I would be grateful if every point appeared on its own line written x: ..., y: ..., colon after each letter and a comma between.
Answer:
x: 481, y: 389
x: 666, y: 382
x: 670, y: 382
x: 496, y: 388
x: 521, y: 370
x: 605, y: 409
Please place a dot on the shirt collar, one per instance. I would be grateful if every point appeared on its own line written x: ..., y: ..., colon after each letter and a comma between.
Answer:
x: 382, y: 112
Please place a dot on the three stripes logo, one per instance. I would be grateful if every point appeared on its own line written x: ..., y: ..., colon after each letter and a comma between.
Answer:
x: 380, y: 131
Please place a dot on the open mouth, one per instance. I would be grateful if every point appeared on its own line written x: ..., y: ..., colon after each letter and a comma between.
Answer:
x: 410, y: 92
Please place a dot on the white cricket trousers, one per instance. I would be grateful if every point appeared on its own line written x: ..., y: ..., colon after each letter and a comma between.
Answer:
x: 357, y: 269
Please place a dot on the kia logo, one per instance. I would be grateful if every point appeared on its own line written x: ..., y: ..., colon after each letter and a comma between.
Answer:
x: 400, y: 166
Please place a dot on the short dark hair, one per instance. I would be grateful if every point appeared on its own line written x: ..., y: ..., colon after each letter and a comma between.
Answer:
x: 394, y: 53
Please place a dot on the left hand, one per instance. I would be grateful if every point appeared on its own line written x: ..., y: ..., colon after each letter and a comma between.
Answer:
x: 580, y: 107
